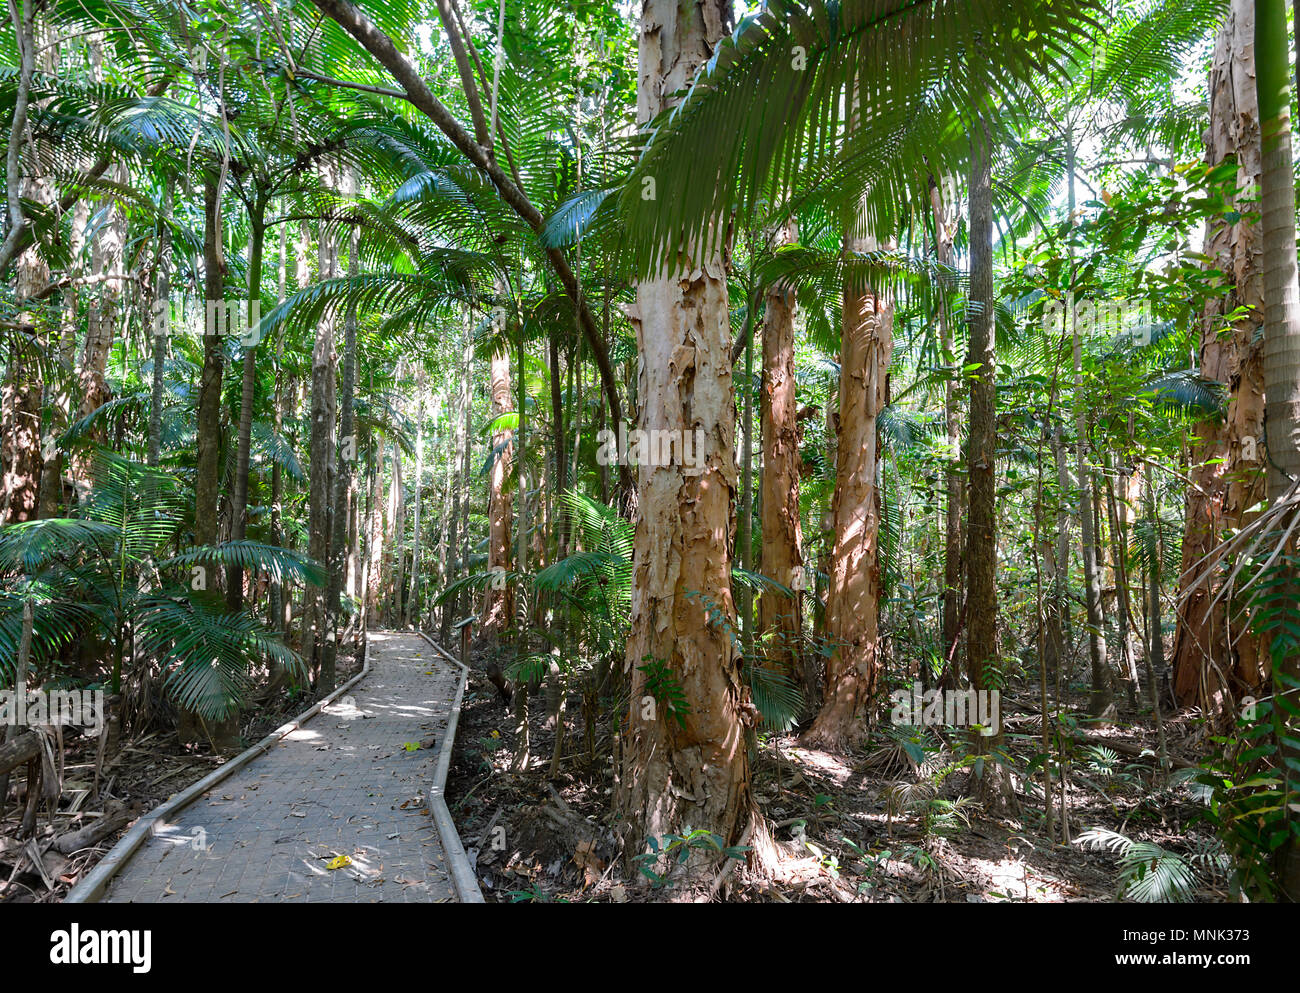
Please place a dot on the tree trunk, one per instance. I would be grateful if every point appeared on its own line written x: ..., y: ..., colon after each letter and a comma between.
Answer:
x: 277, y: 597
x: 459, y: 489
x: 375, y: 536
x: 20, y: 432
x: 1100, y: 701
x: 561, y: 453
x: 248, y: 385
x: 322, y: 451
x: 207, y: 476
x: 990, y: 781
x: 1228, y: 465
x: 395, y: 552
x: 101, y: 331
x: 499, y: 608
x: 21, y: 461
x: 410, y: 614
x: 745, y: 539
x: 944, y: 228
x: 780, y: 617
x: 689, y: 767
x: 1281, y: 342
x: 160, y: 326
x: 853, y: 599
x: 344, y: 487
x: 192, y: 729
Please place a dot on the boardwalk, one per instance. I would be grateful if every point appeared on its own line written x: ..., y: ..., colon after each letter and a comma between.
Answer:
x: 345, y: 786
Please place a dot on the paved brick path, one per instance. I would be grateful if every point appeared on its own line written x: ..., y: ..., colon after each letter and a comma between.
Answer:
x: 342, y: 784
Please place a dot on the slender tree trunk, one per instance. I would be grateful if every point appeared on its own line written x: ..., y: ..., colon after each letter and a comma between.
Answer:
x: 160, y: 326
x: 324, y: 359
x: 525, y: 515
x: 20, y: 433
x: 944, y: 220
x: 395, y: 552
x: 1100, y: 701
x: 248, y: 388
x: 411, y: 613
x: 745, y: 540
x: 277, y: 473
x: 21, y: 460
x: 561, y: 450
x: 375, y: 536
x: 1061, y: 588
x: 1155, y: 645
x: 459, y: 488
x: 344, y: 485
x: 499, y: 609
x: 689, y: 768
x: 1119, y: 543
x: 780, y: 617
x: 191, y: 728
x: 990, y: 781
x: 208, y: 475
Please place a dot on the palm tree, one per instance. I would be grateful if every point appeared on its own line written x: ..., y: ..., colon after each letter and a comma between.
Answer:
x: 106, y: 575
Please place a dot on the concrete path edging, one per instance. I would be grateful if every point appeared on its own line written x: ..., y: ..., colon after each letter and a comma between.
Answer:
x: 91, y: 887
x: 462, y: 873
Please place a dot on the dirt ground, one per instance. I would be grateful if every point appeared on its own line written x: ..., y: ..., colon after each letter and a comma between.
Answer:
x: 871, y: 827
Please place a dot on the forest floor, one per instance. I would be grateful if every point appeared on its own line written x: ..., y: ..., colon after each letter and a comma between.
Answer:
x: 150, y: 766
x: 870, y: 826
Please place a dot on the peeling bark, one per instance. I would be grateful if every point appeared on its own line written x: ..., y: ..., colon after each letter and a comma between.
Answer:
x: 1228, y: 464
x: 780, y: 617
x: 692, y: 769
x: 853, y: 599
x: 499, y: 605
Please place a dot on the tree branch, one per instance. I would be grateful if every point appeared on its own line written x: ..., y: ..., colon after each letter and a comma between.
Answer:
x: 378, y: 44
x: 481, y: 132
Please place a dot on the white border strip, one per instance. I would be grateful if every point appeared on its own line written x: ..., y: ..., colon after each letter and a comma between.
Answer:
x: 91, y: 886
x: 462, y: 873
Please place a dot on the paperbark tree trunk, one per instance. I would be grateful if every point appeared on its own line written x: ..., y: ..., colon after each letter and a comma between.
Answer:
x: 689, y: 767
x: 853, y: 599
x: 20, y: 433
x: 101, y: 331
x: 499, y: 603
x: 1228, y: 465
x: 780, y: 617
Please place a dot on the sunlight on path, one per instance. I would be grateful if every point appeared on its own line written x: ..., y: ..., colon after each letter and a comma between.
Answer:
x: 344, y: 784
